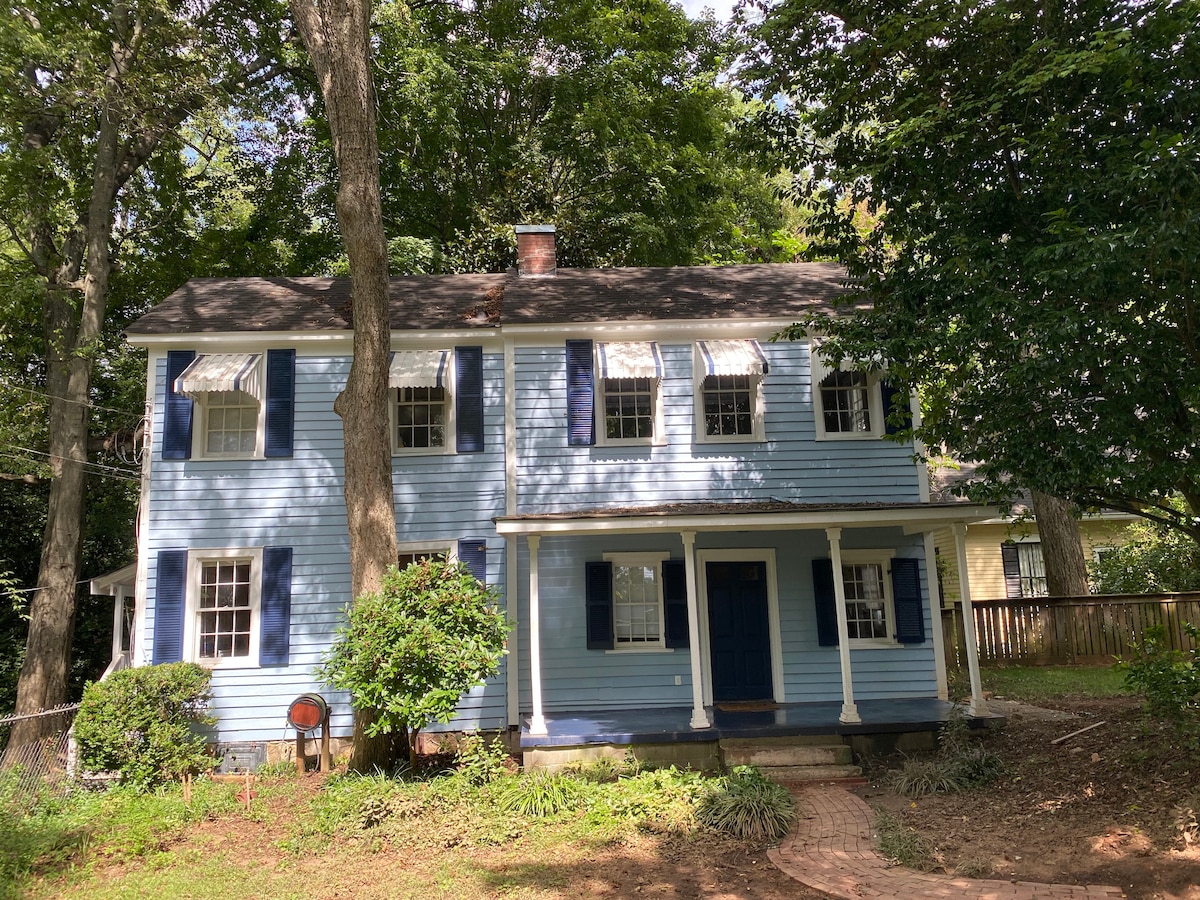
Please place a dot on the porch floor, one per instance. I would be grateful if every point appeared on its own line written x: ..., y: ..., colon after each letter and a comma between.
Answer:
x: 670, y: 724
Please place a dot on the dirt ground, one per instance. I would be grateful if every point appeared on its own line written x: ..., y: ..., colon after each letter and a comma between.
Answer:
x: 1100, y: 808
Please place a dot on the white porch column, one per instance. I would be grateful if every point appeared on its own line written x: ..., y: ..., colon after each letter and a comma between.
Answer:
x: 849, y: 714
x: 537, y: 722
x: 977, y: 707
x: 699, y: 716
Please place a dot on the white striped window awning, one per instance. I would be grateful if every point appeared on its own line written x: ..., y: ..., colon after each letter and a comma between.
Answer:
x: 733, y: 358
x: 418, y: 368
x: 213, y: 373
x: 630, y: 359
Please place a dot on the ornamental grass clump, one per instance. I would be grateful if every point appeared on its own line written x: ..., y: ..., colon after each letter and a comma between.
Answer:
x: 747, y: 805
x: 540, y: 794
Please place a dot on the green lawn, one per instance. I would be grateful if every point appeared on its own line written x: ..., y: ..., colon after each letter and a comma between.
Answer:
x: 1039, y: 683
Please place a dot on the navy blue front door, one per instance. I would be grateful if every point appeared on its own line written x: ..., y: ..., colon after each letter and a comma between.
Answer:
x: 739, y: 636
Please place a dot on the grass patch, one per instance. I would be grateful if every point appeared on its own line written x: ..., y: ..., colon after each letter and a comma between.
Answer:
x: 903, y: 844
x: 1034, y: 684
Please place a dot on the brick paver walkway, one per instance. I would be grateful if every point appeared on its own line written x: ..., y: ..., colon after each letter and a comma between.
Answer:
x: 831, y: 851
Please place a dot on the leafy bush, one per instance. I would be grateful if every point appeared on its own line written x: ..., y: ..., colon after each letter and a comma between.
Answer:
x: 1154, y: 559
x: 747, y: 805
x: 540, y: 794
x: 480, y: 760
x: 410, y: 650
x: 1168, y: 679
x: 140, y: 722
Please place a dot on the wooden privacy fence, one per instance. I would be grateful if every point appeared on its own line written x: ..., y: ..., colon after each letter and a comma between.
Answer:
x: 1067, y: 630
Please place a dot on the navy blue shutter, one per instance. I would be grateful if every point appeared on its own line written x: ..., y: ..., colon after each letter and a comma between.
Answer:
x: 581, y: 409
x: 894, y: 398
x: 281, y: 403
x: 598, y: 576
x: 177, y: 409
x: 675, y: 609
x: 170, y: 589
x: 468, y: 399
x: 827, y: 612
x: 906, y: 598
x: 275, y: 607
x: 473, y: 555
x: 1012, y: 569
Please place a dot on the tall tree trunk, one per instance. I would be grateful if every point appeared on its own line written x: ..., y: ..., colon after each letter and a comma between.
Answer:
x: 337, y: 35
x: 1062, y: 550
x: 71, y: 336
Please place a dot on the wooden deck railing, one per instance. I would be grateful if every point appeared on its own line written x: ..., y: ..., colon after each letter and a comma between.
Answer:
x: 1067, y: 630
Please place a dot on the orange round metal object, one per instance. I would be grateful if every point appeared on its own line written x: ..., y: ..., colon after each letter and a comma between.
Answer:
x: 307, y: 712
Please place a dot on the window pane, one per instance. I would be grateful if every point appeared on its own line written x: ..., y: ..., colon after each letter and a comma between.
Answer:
x: 728, y: 404
x: 420, y: 417
x: 224, y: 617
x: 628, y: 408
x: 866, y: 602
x: 636, y: 604
x: 230, y: 424
x: 845, y: 402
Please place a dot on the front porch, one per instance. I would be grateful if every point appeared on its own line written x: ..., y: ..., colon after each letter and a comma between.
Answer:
x: 666, y: 736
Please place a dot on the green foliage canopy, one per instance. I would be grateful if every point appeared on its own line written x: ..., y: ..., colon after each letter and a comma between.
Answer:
x: 411, y: 650
x: 1033, y: 274
x: 141, y: 722
x: 1154, y: 559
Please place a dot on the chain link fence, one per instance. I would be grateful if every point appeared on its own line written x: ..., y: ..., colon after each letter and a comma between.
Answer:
x: 32, y: 769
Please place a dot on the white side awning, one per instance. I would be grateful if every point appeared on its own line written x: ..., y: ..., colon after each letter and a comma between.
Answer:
x: 630, y: 359
x: 418, y: 368
x: 733, y: 358
x: 220, y: 373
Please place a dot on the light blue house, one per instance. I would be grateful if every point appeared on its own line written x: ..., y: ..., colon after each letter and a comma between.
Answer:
x: 695, y: 528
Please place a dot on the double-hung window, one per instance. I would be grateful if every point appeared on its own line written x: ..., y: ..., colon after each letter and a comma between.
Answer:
x: 629, y: 396
x: 221, y: 623
x: 422, y: 415
x: 729, y: 402
x: 1024, y: 569
x: 867, y: 587
x: 228, y: 391
x: 637, y: 600
x: 848, y: 403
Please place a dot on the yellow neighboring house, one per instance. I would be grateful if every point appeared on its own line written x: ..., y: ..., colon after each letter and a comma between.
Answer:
x: 1004, y: 555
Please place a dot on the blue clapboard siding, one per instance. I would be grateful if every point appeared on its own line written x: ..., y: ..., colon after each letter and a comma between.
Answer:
x: 574, y: 677
x: 790, y: 465
x: 298, y: 503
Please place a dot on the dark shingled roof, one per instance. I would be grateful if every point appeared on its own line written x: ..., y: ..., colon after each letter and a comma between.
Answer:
x: 456, y: 301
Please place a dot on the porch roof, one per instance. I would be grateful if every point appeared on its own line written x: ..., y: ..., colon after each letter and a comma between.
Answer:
x: 770, y: 515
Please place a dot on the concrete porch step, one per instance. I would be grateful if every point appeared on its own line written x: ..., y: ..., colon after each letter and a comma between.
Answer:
x: 787, y: 774
x: 771, y: 753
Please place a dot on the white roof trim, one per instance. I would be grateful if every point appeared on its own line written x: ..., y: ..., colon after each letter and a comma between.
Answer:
x: 418, y: 368
x: 221, y: 373
x: 630, y: 359
x: 912, y: 519
x: 733, y: 358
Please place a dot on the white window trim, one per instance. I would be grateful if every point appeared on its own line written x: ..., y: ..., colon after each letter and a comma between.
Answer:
x: 200, y: 431
x: 449, y: 387
x: 767, y: 555
x: 883, y: 558
x: 648, y: 559
x: 819, y: 369
x: 191, y: 630
x: 757, y: 436
x: 448, y: 549
x: 659, y: 436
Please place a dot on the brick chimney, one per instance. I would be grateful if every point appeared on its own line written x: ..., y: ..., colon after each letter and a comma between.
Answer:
x: 535, y: 250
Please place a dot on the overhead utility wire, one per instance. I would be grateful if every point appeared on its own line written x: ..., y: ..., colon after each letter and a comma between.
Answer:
x: 131, y: 474
x: 36, y: 393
